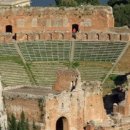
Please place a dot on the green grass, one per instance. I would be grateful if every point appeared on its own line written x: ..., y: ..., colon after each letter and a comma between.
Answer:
x: 15, y: 59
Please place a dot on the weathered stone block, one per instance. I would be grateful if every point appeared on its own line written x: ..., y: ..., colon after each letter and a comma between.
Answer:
x: 85, y: 36
x: 2, y: 38
x: 93, y: 36
x: 48, y: 36
x: 36, y: 36
x: 67, y: 36
x: 79, y: 36
x: 8, y: 38
x: 42, y: 36
x: 21, y: 37
x: 55, y: 36
x: 114, y: 37
x: 125, y: 37
x: 31, y: 37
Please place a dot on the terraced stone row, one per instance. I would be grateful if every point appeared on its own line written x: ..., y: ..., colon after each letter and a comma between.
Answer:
x: 13, y: 74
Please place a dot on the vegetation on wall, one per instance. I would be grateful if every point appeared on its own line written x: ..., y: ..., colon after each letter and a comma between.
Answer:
x: 72, y: 65
x: 40, y: 104
x: 75, y: 2
x: 121, y: 11
x: 22, y: 124
x: 121, y: 8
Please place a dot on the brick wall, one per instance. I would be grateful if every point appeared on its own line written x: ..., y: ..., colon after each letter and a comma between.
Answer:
x: 88, y: 18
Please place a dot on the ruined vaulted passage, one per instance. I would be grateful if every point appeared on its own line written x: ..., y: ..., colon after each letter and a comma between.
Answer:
x: 62, y: 124
x: 9, y: 29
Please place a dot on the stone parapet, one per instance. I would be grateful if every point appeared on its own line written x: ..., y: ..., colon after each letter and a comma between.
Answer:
x: 64, y: 36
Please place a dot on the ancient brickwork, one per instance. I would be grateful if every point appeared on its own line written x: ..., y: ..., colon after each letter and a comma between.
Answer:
x: 72, y: 102
x: 75, y: 106
x: 66, y: 80
x: 86, y: 18
x: 66, y: 36
x: 78, y: 107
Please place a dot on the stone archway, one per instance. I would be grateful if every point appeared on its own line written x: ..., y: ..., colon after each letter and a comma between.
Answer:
x: 9, y: 29
x: 62, y: 124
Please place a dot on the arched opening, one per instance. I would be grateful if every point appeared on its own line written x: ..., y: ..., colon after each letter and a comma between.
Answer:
x: 97, y: 36
x: 9, y: 29
x: 86, y: 36
x: 75, y: 27
x: 120, y: 37
x: 61, y: 36
x: 62, y: 124
x: 50, y: 36
x: 108, y: 37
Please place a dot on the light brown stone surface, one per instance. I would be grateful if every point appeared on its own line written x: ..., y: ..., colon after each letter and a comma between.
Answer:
x: 77, y: 107
x: 64, y: 36
x: 30, y: 108
x: 66, y: 80
x: 56, y: 19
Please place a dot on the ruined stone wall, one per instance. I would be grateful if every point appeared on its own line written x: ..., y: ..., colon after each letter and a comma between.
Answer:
x: 3, y: 115
x: 56, y: 19
x: 77, y: 107
x: 17, y: 3
x: 30, y: 108
x: 66, y: 80
x: 58, y: 36
x: 123, y: 107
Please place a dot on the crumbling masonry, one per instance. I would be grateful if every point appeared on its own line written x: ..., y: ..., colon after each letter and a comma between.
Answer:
x: 3, y: 116
x: 71, y: 104
x: 64, y: 108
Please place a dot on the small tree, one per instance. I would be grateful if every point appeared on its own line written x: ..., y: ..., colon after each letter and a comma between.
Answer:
x: 12, y: 122
x: 27, y: 124
x: 66, y: 2
x: 22, y: 124
x: 19, y: 126
x: 34, y: 126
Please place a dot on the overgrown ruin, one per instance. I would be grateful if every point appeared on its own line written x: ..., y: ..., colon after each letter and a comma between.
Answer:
x: 74, y: 108
x: 80, y: 108
x: 37, y: 43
